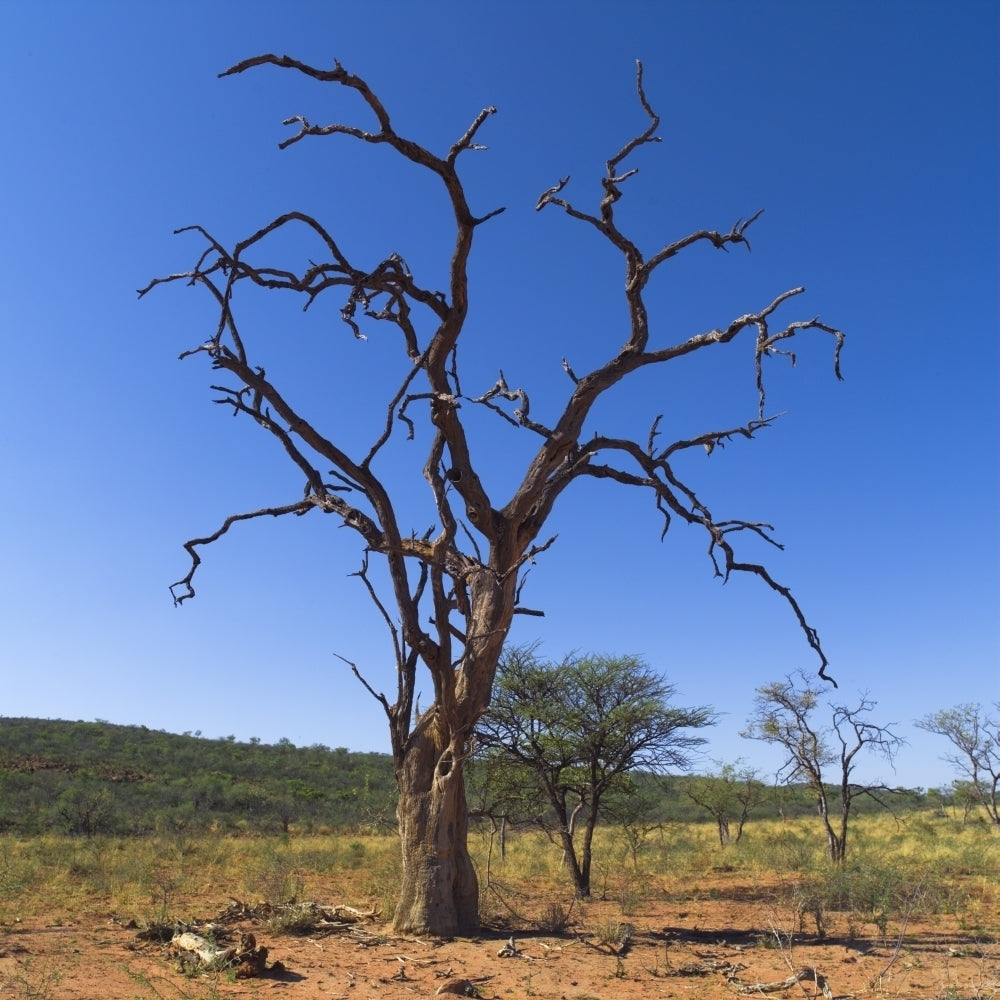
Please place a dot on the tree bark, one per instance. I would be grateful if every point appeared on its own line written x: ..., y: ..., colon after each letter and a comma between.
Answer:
x: 587, y: 855
x: 724, y: 836
x: 835, y: 843
x: 581, y: 883
x: 440, y: 890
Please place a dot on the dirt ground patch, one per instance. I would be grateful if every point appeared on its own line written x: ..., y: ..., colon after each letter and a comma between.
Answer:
x: 731, y: 940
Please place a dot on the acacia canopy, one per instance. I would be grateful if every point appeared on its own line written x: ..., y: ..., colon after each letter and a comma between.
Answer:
x: 577, y: 728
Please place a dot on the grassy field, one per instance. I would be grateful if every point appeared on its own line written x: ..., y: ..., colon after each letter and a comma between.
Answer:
x: 914, y: 913
x: 924, y: 865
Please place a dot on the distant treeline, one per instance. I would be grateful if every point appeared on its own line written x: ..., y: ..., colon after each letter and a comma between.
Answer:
x: 91, y: 778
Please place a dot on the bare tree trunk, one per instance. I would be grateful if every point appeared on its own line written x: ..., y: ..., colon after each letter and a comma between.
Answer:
x: 833, y: 842
x: 581, y: 883
x: 744, y: 816
x: 440, y: 891
x: 845, y: 813
x: 588, y: 851
x: 724, y: 836
x: 836, y: 843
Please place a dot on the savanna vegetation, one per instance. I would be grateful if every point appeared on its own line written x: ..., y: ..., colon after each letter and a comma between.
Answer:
x: 926, y: 860
x: 93, y: 778
x: 98, y: 779
x: 673, y: 909
x: 171, y: 839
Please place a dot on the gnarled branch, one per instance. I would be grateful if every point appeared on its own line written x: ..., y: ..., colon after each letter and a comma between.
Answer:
x: 456, y: 588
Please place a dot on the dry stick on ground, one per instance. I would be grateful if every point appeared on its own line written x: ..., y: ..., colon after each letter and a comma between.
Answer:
x: 784, y: 944
x: 801, y: 976
x: 804, y: 974
x: 910, y: 903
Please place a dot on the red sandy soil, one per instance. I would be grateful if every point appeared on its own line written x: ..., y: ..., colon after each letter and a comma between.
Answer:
x: 733, y: 943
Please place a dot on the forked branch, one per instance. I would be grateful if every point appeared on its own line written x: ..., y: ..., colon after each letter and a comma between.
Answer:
x: 185, y: 584
x: 567, y: 454
x: 498, y: 541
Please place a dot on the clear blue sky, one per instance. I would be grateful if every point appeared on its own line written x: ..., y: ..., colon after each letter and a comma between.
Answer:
x: 867, y: 131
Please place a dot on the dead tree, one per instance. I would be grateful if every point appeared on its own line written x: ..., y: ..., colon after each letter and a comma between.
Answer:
x: 456, y: 587
x: 975, y: 735
x: 783, y: 717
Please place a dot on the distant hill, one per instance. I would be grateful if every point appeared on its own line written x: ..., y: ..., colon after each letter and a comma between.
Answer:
x: 90, y: 778
x: 95, y: 777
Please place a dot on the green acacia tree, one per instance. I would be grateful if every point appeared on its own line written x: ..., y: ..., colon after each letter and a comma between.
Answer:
x: 728, y: 794
x: 579, y: 727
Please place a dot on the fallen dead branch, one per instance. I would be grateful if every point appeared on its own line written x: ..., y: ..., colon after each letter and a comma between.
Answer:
x: 308, y: 911
x: 206, y: 947
x: 708, y: 967
x: 305, y: 918
x: 804, y: 975
x: 245, y: 957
